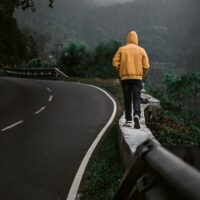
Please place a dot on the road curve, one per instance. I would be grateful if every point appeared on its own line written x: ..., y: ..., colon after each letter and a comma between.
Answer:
x: 46, y: 128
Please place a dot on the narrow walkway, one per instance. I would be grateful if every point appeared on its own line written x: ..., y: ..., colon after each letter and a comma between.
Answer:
x: 130, y: 138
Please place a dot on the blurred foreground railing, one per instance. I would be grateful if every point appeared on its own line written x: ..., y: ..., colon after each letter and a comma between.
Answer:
x: 156, y: 174
x: 42, y: 72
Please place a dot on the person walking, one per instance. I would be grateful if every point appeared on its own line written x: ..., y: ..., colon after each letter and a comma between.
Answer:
x: 131, y: 63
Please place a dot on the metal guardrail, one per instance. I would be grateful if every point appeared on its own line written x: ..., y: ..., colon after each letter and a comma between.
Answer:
x: 42, y: 72
x: 157, y: 174
x: 60, y: 73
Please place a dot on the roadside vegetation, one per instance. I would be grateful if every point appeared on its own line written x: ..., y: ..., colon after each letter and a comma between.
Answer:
x: 178, y: 122
x: 79, y: 61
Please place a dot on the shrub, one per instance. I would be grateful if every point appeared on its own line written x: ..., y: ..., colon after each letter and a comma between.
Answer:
x: 75, y: 59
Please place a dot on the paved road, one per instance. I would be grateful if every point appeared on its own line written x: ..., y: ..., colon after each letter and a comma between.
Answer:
x: 46, y: 127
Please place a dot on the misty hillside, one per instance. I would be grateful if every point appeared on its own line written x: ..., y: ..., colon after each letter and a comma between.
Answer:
x: 53, y: 25
x: 168, y: 29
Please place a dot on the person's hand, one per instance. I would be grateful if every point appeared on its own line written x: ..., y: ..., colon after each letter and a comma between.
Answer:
x: 144, y: 78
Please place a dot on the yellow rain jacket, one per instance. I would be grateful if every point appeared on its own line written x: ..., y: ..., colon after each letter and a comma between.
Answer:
x: 131, y: 61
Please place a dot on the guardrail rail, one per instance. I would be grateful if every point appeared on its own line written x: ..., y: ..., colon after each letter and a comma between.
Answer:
x: 156, y: 174
x: 41, y: 72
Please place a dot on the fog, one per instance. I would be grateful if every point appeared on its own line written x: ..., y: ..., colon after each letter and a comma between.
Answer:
x: 107, y: 2
x: 89, y: 3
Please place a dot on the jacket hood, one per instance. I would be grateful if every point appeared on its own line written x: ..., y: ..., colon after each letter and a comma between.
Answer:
x: 132, y: 38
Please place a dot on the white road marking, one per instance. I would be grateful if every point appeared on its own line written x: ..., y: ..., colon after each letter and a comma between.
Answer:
x: 40, y: 110
x: 77, y: 180
x: 49, y: 89
x: 12, y: 126
x: 50, y: 98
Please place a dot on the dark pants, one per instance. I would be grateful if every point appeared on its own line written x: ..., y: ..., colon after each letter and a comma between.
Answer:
x: 132, y: 93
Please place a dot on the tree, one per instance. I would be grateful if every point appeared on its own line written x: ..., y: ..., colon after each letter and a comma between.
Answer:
x: 75, y: 58
x: 78, y: 61
x: 104, y: 53
x: 13, y: 43
x: 24, y: 4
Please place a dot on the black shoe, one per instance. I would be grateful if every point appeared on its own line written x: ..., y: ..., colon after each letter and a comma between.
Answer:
x: 136, y: 121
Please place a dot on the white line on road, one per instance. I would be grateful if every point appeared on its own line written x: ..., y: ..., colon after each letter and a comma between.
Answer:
x: 49, y: 89
x: 11, y: 126
x: 40, y: 110
x: 50, y: 98
x: 77, y: 180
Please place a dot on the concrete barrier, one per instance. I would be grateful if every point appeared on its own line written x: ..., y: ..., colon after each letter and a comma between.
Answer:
x: 130, y: 138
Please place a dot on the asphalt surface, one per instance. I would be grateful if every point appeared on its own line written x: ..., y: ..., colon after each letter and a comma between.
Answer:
x: 46, y: 128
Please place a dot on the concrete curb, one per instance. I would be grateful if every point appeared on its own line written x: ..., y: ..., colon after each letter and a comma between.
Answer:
x: 130, y: 138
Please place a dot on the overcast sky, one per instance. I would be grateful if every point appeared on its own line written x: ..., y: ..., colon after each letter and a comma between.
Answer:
x: 106, y: 2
